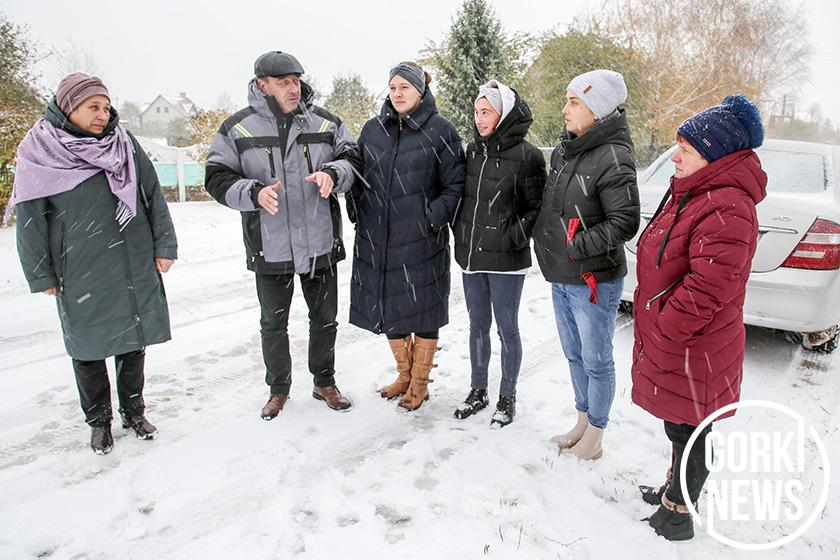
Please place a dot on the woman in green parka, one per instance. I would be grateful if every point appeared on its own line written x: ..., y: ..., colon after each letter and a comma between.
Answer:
x: 94, y: 231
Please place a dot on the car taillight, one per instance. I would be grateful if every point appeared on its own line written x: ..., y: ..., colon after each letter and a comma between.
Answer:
x: 819, y: 249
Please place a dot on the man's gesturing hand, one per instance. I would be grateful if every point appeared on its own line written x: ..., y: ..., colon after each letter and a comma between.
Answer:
x: 324, y: 182
x: 267, y: 197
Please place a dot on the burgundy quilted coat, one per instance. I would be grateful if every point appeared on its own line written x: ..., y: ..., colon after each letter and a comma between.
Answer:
x: 688, y: 353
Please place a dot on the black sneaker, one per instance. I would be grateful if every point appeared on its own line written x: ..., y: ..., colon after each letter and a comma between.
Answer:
x: 143, y: 429
x: 505, y: 411
x: 475, y: 401
x: 101, y: 440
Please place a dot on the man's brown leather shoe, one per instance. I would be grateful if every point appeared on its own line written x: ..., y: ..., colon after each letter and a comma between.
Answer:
x: 332, y: 396
x: 274, y: 405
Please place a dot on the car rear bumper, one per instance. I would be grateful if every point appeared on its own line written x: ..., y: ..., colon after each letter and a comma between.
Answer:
x: 793, y: 299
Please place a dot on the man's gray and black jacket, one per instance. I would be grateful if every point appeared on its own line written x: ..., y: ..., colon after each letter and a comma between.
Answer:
x: 260, y: 145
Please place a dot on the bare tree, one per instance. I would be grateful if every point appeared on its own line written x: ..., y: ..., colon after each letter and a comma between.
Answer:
x: 130, y: 115
x: 224, y: 103
x: 71, y: 58
x: 695, y: 53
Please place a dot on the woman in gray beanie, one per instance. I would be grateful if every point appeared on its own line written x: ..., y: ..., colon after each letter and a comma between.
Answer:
x: 93, y: 230
x: 590, y: 208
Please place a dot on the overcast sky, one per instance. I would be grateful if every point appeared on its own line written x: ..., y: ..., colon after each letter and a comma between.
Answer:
x: 207, y: 49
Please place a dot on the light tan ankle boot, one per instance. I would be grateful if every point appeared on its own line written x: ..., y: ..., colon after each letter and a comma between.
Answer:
x: 424, y: 353
x: 589, y: 446
x: 567, y: 440
x: 402, y: 349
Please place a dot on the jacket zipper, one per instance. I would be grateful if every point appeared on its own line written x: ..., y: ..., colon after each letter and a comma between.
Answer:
x: 663, y: 292
x: 271, y: 162
x: 63, y: 261
x: 381, y: 287
x: 475, y: 211
x: 560, y: 172
x: 285, y: 197
x: 132, y: 296
x: 303, y: 200
x: 308, y: 157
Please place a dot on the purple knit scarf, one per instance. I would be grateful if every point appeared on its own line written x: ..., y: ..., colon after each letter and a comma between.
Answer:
x: 51, y: 161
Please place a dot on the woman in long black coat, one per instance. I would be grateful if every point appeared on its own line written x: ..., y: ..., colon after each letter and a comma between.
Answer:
x: 413, y: 181
x: 94, y: 231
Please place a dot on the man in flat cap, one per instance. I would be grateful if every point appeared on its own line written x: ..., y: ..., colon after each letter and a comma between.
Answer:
x: 280, y: 162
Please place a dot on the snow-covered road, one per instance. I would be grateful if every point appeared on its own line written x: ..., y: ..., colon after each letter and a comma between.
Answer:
x: 374, y: 482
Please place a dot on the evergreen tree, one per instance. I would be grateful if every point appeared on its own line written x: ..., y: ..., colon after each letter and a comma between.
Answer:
x: 475, y: 51
x: 351, y: 102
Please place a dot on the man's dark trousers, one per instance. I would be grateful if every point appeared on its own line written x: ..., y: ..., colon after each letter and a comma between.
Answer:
x: 320, y: 290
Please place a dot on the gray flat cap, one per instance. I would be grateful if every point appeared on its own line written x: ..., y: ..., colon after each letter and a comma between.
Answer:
x: 276, y: 63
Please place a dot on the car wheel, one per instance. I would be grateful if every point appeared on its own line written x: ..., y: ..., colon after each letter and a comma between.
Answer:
x: 824, y: 342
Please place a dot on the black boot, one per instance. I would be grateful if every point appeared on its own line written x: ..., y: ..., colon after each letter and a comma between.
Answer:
x: 143, y: 429
x: 672, y: 521
x: 652, y: 495
x: 505, y: 411
x: 475, y: 401
x: 101, y: 440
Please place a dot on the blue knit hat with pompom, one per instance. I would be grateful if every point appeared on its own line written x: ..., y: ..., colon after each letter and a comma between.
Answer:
x: 723, y: 129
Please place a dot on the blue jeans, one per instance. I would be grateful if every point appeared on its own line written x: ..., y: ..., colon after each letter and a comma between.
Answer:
x: 500, y: 293
x: 586, y: 334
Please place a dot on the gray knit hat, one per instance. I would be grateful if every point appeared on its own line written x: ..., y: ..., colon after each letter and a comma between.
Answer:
x: 601, y: 90
x: 77, y: 87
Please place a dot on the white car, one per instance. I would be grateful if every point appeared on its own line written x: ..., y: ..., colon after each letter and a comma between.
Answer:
x: 795, y: 280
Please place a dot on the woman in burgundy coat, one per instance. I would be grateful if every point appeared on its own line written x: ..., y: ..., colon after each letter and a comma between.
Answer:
x: 693, y: 262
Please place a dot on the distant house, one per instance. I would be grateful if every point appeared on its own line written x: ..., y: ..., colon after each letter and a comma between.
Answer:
x: 166, y: 109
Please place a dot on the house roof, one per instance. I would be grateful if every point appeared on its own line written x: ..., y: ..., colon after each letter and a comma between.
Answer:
x: 180, y: 103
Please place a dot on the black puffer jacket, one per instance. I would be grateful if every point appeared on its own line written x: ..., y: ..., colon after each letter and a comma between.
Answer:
x: 505, y: 179
x: 413, y: 182
x: 592, y: 179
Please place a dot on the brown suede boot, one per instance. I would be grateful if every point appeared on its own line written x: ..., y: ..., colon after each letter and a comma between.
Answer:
x: 402, y: 349
x: 424, y: 353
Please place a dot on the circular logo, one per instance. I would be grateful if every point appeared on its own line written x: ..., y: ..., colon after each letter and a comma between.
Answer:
x: 766, y: 470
